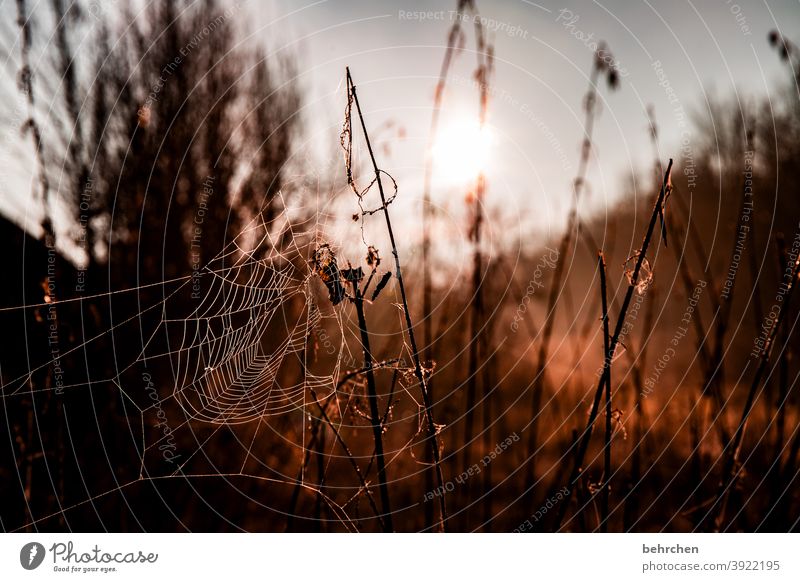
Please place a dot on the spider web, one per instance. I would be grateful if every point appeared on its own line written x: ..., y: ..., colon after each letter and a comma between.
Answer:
x: 223, y: 374
x: 226, y: 360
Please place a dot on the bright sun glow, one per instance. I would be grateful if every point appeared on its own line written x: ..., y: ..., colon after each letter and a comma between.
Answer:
x: 462, y: 150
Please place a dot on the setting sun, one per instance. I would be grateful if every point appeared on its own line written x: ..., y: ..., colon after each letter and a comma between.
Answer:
x: 462, y: 150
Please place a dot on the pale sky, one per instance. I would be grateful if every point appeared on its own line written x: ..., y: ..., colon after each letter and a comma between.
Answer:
x: 543, y: 56
x: 543, y: 59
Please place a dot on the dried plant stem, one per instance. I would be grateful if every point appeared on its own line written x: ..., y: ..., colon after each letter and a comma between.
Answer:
x: 321, y: 495
x: 26, y: 459
x: 634, y: 279
x: 324, y: 415
x: 697, y: 419
x: 431, y: 426
x: 487, y: 438
x: 518, y: 293
x: 716, y: 378
x: 775, y: 474
x: 428, y: 337
x: 783, y: 366
x: 709, y: 409
x: 541, y: 359
x: 476, y: 352
x: 758, y: 308
x: 699, y: 248
x: 452, y: 39
x: 312, y: 443
x: 731, y: 467
x: 789, y: 471
x: 477, y: 339
x: 691, y: 231
x: 680, y: 258
x: 607, y: 378
x: 688, y: 286
x: 318, y: 437
x: 709, y: 385
x: 30, y: 124
x: 375, y: 417
x: 631, y: 508
x: 556, y: 287
x: 706, y: 362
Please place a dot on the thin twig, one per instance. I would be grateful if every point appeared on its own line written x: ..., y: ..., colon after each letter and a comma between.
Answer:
x: 573, y: 225
x: 607, y: 375
x: 428, y: 338
x: 716, y: 378
x: 731, y: 468
x: 418, y: 372
x: 348, y: 454
x: 477, y: 338
x: 783, y: 367
x: 634, y: 279
x: 372, y: 397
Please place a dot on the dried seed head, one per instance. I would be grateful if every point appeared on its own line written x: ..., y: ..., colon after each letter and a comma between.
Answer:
x: 617, y: 416
x: 600, y: 57
x: 613, y: 79
x: 373, y: 257
x: 325, y: 266
x: 381, y: 284
x: 604, y: 62
x: 24, y: 80
x: 354, y: 276
x: 783, y: 46
x: 773, y: 37
x: 645, y: 273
